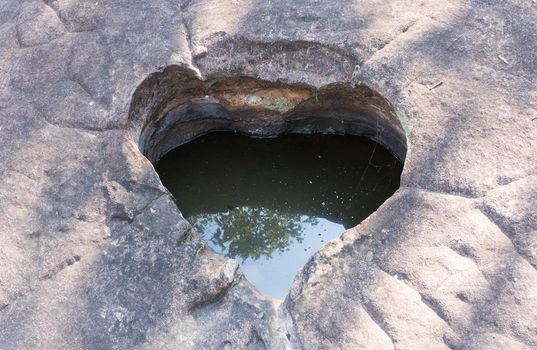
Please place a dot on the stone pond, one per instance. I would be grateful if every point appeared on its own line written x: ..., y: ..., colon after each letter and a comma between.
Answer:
x: 96, y: 250
x: 272, y: 203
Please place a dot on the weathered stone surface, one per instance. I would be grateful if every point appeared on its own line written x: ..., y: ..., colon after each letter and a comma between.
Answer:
x: 96, y: 255
x: 512, y: 208
x: 441, y: 271
x: 38, y: 24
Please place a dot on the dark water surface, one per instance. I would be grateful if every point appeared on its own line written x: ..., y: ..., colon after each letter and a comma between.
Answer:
x: 271, y: 203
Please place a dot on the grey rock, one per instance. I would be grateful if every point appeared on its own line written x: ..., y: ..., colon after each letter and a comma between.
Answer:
x: 38, y: 24
x: 95, y: 253
x: 512, y: 208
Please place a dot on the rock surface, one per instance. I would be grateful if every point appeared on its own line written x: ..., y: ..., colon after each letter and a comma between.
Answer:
x: 95, y: 254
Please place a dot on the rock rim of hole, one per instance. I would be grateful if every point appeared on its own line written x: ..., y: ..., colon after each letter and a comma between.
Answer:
x: 174, y: 106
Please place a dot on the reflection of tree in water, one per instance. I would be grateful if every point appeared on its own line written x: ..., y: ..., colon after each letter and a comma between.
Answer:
x: 247, y: 232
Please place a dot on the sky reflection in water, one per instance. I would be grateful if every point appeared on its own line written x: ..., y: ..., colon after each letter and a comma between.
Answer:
x: 271, y: 245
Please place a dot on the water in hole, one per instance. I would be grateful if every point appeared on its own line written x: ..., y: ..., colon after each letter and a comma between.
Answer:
x: 271, y: 203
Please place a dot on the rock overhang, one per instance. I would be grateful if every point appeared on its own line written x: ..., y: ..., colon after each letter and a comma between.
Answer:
x: 174, y: 106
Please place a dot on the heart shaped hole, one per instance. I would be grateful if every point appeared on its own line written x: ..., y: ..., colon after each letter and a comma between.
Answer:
x: 269, y: 172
